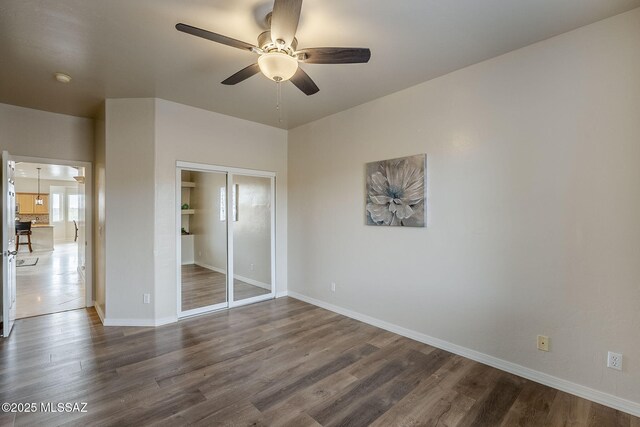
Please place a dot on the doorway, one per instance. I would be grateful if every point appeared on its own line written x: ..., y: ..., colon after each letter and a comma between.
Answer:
x: 51, y: 224
x: 225, y: 237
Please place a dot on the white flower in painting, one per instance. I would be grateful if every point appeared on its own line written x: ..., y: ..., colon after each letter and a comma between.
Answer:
x: 394, y: 189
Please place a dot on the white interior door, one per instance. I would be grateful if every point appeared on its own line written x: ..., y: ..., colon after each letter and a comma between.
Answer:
x: 8, y: 244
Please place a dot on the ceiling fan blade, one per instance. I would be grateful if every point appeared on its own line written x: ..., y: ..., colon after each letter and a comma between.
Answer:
x: 219, y: 38
x: 304, y: 82
x: 242, y: 75
x: 334, y: 55
x: 284, y: 21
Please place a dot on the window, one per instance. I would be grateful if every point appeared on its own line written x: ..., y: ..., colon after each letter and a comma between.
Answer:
x: 56, y: 207
x: 72, y: 207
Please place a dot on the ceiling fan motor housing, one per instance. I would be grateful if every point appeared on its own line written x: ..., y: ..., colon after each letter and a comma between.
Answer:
x: 265, y: 43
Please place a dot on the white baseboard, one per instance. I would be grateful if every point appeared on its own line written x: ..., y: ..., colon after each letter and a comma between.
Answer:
x: 140, y: 322
x: 99, y: 311
x: 579, y: 390
x: 282, y: 294
x: 133, y: 322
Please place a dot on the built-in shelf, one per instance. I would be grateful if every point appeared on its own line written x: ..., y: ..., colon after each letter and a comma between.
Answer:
x: 188, y: 184
x: 188, y: 211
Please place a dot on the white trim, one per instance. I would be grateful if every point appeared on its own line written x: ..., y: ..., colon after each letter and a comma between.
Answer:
x: 274, y: 281
x: 579, y: 390
x: 282, y: 294
x: 99, y: 311
x: 252, y: 300
x: 202, y: 310
x: 140, y: 322
x: 230, y: 239
x: 202, y: 167
x: 178, y: 225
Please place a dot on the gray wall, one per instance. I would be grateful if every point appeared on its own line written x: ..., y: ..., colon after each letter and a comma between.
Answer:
x: 129, y: 208
x: 27, y: 132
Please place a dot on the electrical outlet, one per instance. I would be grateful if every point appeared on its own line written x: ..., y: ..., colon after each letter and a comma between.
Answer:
x: 333, y: 286
x: 543, y: 343
x: 146, y: 298
x: 614, y: 361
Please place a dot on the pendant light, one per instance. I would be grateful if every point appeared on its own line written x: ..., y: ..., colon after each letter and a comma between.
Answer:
x: 39, y: 200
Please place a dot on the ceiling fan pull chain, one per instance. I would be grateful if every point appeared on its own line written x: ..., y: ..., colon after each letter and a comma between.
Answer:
x: 279, y: 100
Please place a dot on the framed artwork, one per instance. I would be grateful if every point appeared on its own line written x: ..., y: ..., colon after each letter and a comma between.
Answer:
x: 396, y: 192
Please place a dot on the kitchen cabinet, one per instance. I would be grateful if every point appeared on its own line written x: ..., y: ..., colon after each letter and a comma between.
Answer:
x: 27, y: 203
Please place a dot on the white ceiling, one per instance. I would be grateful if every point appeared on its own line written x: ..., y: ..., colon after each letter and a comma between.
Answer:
x: 130, y: 48
x: 56, y: 172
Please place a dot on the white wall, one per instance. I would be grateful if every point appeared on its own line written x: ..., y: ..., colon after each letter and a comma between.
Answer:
x: 195, y: 135
x: 27, y: 132
x: 129, y: 208
x: 533, y: 207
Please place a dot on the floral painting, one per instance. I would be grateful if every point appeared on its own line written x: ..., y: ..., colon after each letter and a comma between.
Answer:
x: 396, y: 192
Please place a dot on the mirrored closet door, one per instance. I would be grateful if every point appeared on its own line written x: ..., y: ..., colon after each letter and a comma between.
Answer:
x: 252, y: 237
x: 225, y: 230
x: 203, y: 242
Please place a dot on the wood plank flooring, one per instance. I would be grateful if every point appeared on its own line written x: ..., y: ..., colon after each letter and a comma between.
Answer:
x: 277, y: 363
x: 52, y: 285
x: 202, y: 287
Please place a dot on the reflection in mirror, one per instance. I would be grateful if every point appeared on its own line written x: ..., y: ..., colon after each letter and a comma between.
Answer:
x: 252, y: 237
x: 203, y: 240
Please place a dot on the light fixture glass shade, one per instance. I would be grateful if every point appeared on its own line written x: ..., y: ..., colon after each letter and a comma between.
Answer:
x: 39, y: 202
x: 278, y: 66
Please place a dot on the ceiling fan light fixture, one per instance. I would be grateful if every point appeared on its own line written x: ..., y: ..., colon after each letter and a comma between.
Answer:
x: 278, y: 66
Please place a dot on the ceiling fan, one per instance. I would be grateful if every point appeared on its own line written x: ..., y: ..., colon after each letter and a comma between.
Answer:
x: 278, y: 52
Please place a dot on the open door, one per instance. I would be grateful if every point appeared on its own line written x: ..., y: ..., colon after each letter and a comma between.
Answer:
x: 9, y: 251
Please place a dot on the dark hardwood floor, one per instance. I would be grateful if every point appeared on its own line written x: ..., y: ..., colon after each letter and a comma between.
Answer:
x: 281, y: 362
x: 202, y: 287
